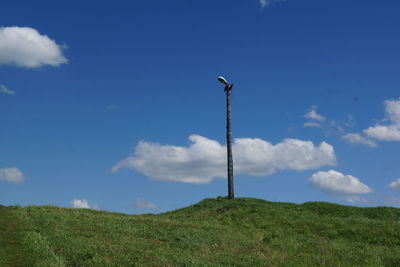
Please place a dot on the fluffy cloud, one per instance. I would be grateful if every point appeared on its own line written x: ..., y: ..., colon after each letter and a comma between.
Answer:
x: 12, y: 175
x: 142, y: 204
x: 5, y: 90
x: 205, y: 159
x: 384, y: 133
x: 334, y: 182
x: 395, y: 185
x: 313, y: 115
x: 387, y: 130
x: 82, y: 204
x: 318, y: 121
x: 355, y: 138
x: 390, y: 131
x: 26, y: 47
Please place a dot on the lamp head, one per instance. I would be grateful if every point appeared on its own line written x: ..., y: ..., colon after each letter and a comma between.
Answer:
x: 222, y: 80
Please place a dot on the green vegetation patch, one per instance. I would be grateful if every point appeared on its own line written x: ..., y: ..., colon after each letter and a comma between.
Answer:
x: 238, y: 232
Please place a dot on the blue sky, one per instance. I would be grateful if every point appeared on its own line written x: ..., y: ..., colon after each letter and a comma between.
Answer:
x: 116, y: 106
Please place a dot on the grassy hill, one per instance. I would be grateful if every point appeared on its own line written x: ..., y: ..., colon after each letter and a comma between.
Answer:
x: 239, y: 232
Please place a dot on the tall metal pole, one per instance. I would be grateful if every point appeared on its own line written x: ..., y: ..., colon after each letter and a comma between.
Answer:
x: 228, y: 89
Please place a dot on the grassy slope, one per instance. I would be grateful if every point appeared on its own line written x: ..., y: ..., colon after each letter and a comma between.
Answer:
x: 245, y: 232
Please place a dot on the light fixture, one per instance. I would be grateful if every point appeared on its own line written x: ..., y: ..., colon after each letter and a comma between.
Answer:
x: 222, y: 80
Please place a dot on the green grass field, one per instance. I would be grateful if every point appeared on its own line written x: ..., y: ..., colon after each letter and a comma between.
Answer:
x: 214, y: 232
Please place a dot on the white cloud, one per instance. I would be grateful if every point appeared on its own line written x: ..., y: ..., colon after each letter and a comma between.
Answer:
x: 142, y: 204
x: 26, y: 47
x: 205, y: 159
x: 355, y: 199
x: 395, y: 185
x: 334, y: 182
x: 318, y: 121
x: 5, y: 90
x: 384, y: 133
x: 390, y: 131
x: 393, y: 110
x: 312, y: 125
x: 355, y: 138
x: 387, y: 130
x: 313, y: 115
x: 265, y: 3
x: 335, y: 127
x: 350, y: 121
x: 82, y: 204
x: 12, y: 175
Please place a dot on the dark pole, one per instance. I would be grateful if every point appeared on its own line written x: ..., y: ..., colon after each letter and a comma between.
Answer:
x: 228, y: 89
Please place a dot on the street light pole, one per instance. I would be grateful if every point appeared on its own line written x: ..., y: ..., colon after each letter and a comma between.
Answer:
x: 228, y: 88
